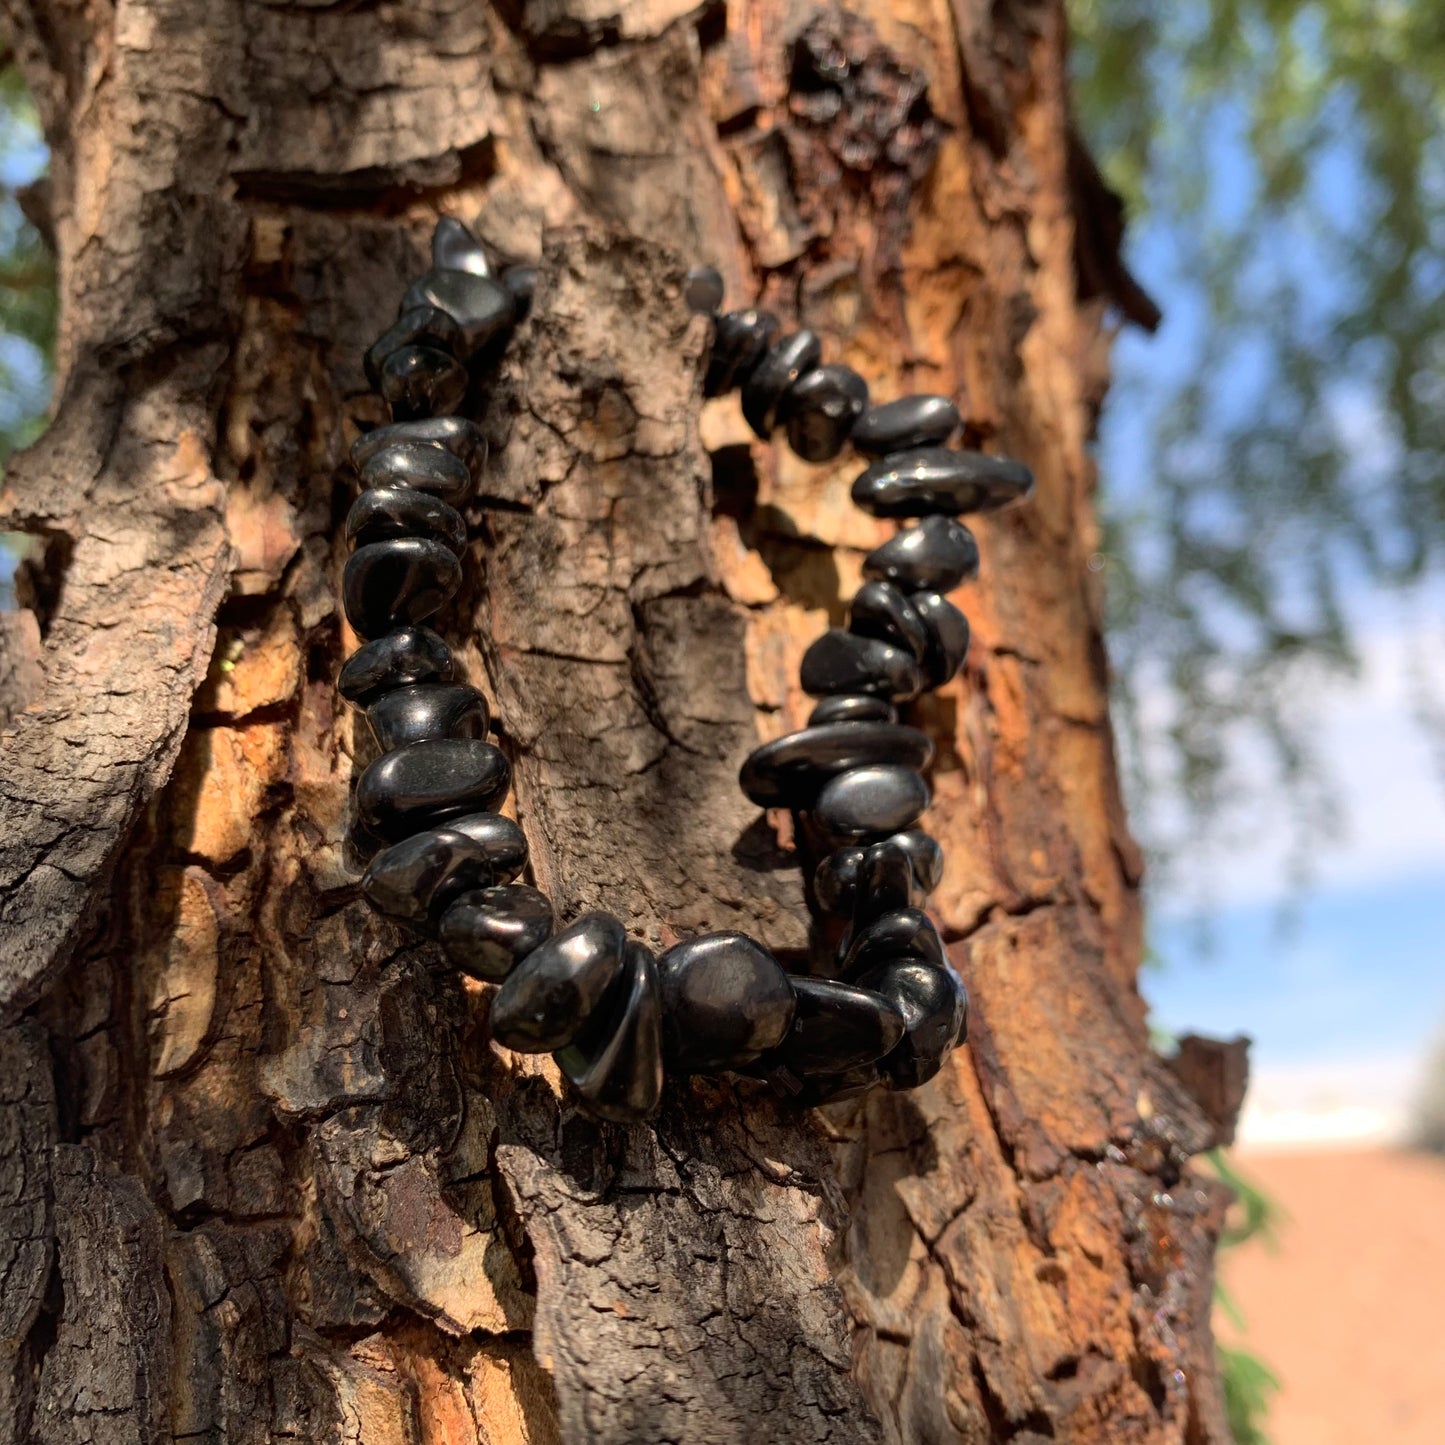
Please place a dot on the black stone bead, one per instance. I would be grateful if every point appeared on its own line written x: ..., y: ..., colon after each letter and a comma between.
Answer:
x: 947, y: 637
x: 836, y: 878
x: 904, y: 931
x: 740, y: 341
x: 836, y: 1027
x: 820, y: 410
x: 410, y: 654
x: 822, y: 1089
x: 880, y: 610
x: 902, y: 425
x: 423, y: 326
x: 852, y: 707
x: 521, y: 281
x: 484, y: 309
x: 556, y: 988
x: 725, y: 999
x: 615, y: 1063
x: 454, y: 248
x: 381, y: 513
x: 879, y: 798
x: 790, y: 771
x: 422, y: 467
x: 418, y: 877
x: 930, y: 480
x: 428, y: 710
x: 389, y: 583
x: 884, y: 884
x: 422, y: 381
x: 501, y: 840
x: 785, y: 362
x: 934, y: 1005
x: 487, y: 932
x: 840, y: 662
x: 703, y: 290
x: 924, y: 855
x: 934, y: 556
x: 453, y: 434
x: 428, y: 783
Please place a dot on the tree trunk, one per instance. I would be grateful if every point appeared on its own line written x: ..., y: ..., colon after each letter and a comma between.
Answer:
x: 263, y: 1176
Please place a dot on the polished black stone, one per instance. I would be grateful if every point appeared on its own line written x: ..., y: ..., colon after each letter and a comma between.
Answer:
x: 904, y: 931
x: 930, y: 480
x: 454, y: 248
x: 501, y: 840
x: 947, y: 637
x: 703, y: 289
x: 521, y: 281
x: 836, y: 878
x: 820, y: 409
x: 852, y: 707
x: 422, y: 381
x: 488, y: 931
x: 740, y: 340
x: 453, y: 434
x: 615, y: 1062
x: 381, y: 513
x: 789, y: 771
x: 483, y: 307
x: 834, y: 1088
x: 556, y: 988
x: 725, y: 999
x: 784, y: 363
x: 881, y: 610
x: 422, y: 467
x: 428, y: 783
x: 884, y: 885
x: 418, y: 877
x: 934, y: 1006
x: 422, y: 326
x: 911, y: 421
x: 841, y: 662
x: 388, y: 583
x: 924, y: 855
x: 935, y: 556
x: 410, y: 654
x: 836, y: 1027
x: 879, y: 798
x: 428, y: 710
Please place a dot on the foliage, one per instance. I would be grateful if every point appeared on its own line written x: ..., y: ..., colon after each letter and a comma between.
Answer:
x: 1248, y: 1385
x: 27, y: 295
x: 1248, y: 1381
x: 27, y: 275
x: 1282, y: 160
x: 1259, y: 1217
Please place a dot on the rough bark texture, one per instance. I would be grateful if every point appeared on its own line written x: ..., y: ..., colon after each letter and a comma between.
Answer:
x: 262, y: 1174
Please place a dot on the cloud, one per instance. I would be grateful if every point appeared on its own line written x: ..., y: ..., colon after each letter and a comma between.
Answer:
x: 1380, y: 760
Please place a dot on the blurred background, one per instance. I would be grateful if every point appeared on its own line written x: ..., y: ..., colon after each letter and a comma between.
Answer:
x: 1272, y: 463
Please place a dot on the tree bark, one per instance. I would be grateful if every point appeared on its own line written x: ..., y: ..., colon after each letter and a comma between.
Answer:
x: 263, y: 1176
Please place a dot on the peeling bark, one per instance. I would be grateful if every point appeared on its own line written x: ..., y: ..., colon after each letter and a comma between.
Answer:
x: 263, y: 1176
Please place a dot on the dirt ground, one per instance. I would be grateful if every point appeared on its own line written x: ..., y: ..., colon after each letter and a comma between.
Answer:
x: 1350, y: 1313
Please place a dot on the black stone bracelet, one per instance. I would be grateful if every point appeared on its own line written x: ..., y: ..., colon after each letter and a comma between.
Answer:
x: 442, y: 860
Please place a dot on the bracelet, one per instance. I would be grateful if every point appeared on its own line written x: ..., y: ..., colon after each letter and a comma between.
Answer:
x: 442, y: 860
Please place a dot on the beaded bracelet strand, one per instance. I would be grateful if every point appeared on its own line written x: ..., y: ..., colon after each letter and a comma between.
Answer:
x: 442, y: 859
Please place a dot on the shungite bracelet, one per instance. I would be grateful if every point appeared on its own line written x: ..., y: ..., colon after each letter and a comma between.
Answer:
x: 443, y: 860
